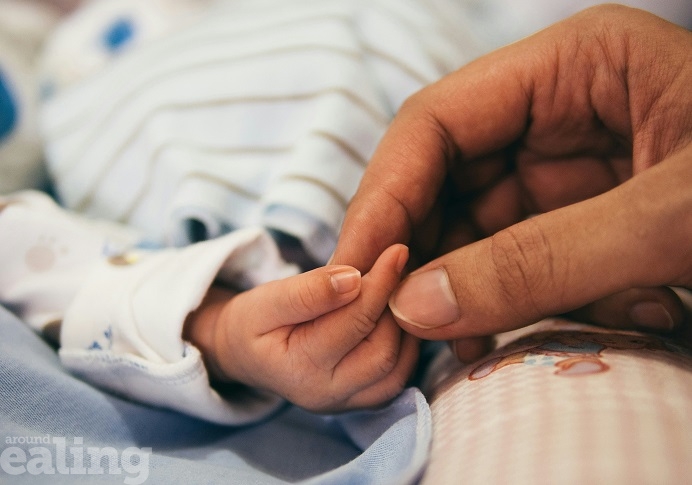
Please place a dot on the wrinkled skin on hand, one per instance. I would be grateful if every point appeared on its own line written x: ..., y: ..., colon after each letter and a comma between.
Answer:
x: 588, y: 125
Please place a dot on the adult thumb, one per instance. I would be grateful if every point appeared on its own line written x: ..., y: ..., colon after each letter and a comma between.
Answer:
x: 629, y: 237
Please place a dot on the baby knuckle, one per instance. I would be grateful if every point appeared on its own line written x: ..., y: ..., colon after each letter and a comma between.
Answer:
x: 302, y: 299
x: 398, y: 386
x: 363, y: 324
x: 386, y: 359
x: 394, y: 387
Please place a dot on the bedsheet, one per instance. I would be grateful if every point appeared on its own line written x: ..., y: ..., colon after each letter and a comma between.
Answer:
x: 53, y: 425
x: 559, y: 402
x: 564, y: 403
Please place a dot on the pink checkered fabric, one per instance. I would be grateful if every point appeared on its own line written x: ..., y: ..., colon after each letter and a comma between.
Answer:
x: 566, y: 404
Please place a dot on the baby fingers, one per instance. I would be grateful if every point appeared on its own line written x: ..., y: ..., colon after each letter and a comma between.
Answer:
x: 378, y: 368
x: 329, y: 338
x: 299, y: 298
x: 391, y: 384
x: 375, y: 372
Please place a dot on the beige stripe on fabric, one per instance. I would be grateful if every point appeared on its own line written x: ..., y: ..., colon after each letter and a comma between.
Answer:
x: 83, y: 202
x: 331, y: 190
x: 236, y: 151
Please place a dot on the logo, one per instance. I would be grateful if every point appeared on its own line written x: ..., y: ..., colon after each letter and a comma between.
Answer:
x: 51, y: 455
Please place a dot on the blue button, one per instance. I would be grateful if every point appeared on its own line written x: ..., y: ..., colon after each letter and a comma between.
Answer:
x: 8, y: 109
x: 118, y: 34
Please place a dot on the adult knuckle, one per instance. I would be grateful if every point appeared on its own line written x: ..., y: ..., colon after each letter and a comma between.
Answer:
x: 413, y: 103
x: 424, y: 112
x: 524, y: 266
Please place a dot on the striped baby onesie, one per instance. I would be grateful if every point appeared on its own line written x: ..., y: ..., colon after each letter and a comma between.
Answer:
x: 188, y: 120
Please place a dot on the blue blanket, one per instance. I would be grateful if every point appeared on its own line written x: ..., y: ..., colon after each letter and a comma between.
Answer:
x: 57, y: 429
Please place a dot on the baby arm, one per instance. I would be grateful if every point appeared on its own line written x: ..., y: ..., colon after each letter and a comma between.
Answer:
x: 324, y: 339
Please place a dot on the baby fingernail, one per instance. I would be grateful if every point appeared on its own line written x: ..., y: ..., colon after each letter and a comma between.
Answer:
x: 345, y: 280
x: 651, y: 314
x: 402, y: 259
x: 426, y: 300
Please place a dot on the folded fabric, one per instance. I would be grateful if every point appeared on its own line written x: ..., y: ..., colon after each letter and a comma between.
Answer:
x: 121, y: 309
x: 244, y: 113
x: 123, y: 330
x: 46, y: 254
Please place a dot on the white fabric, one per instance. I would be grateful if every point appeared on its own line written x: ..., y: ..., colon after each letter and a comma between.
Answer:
x: 122, y: 309
x: 137, y: 350
x: 258, y: 112
x: 46, y: 254
x: 22, y: 28
x: 499, y: 22
x: 81, y: 47
x: 187, y: 121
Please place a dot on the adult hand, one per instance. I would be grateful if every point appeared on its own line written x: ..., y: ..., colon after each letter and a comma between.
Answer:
x: 589, y: 125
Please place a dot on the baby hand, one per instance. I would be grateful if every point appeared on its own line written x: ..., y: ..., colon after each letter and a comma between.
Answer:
x: 325, y: 340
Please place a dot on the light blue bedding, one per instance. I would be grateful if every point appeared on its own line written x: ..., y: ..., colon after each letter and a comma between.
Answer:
x: 49, y: 420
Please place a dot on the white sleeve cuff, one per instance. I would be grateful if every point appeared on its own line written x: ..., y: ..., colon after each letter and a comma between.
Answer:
x: 46, y: 253
x: 123, y: 331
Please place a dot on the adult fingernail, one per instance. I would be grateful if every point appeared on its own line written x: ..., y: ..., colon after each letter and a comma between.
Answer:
x: 345, y: 280
x: 651, y: 314
x: 426, y: 300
